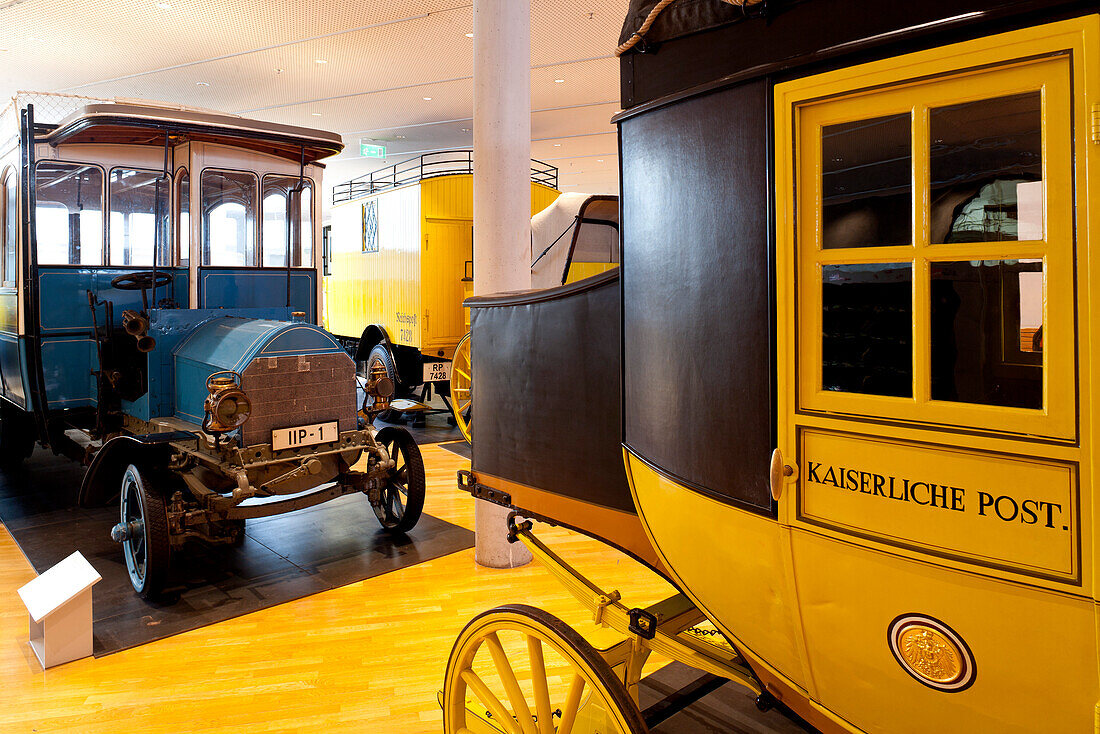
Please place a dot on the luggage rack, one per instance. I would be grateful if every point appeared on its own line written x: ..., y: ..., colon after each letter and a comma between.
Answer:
x: 429, y: 165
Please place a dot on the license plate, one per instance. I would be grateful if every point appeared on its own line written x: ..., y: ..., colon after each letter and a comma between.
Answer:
x: 437, y: 371
x: 292, y: 438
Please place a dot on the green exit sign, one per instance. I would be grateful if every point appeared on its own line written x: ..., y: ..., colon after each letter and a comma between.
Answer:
x: 372, y: 151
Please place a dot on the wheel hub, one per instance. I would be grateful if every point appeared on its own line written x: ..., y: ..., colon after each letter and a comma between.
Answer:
x: 125, y: 531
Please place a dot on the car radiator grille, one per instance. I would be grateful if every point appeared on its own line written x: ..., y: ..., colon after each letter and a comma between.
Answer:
x: 298, y: 390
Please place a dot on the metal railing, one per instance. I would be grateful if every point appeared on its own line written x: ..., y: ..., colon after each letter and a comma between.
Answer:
x: 429, y: 165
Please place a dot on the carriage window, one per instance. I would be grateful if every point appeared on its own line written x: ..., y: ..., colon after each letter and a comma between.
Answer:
x: 866, y: 324
x: 288, y: 221
x: 183, y: 219
x: 867, y: 183
x: 11, y: 212
x: 139, y: 215
x: 228, y: 218
x: 987, y: 332
x: 971, y: 320
x: 986, y: 170
x: 69, y: 214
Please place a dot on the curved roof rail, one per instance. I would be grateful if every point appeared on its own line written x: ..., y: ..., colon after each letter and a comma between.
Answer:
x: 429, y: 165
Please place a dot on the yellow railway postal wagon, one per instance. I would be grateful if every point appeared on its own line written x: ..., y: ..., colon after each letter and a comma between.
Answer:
x: 887, y: 256
x: 401, y: 263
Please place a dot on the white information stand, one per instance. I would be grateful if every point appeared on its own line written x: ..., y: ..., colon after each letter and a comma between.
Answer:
x: 59, y: 602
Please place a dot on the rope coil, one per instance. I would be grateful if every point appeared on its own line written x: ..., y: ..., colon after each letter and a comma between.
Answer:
x: 639, y: 34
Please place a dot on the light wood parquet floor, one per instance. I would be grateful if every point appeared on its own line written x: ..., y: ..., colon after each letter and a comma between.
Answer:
x: 368, y: 657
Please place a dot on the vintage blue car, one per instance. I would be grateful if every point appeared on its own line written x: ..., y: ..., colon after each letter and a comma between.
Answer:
x: 158, y: 307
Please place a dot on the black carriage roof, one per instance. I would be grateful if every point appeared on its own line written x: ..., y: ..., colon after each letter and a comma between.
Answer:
x: 137, y: 124
x: 695, y: 46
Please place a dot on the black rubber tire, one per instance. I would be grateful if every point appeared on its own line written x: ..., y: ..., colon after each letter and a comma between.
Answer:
x: 402, y: 447
x: 17, y: 435
x: 148, y: 581
x: 381, y: 354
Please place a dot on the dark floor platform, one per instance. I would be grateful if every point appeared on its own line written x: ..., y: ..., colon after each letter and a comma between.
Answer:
x: 730, y: 709
x: 282, y: 558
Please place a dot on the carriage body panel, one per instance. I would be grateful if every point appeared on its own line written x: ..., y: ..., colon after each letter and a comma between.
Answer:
x: 921, y: 366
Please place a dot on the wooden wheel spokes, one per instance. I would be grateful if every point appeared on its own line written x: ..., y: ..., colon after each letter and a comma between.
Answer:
x: 462, y: 388
x: 519, y: 670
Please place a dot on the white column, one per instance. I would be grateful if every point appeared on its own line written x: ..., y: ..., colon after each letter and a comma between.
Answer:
x: 502, y: 200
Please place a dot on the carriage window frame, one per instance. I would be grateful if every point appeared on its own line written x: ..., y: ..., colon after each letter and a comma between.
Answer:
x: 312, y: 186
x: 172, y: 243
x: 9, y: 227
x: 256, y: 218
x: 102, y: 210
x: 179, y: 196
x: 1052, y: 76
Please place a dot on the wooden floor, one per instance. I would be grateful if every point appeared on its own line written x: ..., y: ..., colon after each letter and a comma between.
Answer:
x: 368, y: 657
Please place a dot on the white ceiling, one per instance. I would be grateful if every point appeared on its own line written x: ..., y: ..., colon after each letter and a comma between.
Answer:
x: 382, y: 58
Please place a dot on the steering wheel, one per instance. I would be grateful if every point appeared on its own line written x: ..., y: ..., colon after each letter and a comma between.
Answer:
x: 141, y: 280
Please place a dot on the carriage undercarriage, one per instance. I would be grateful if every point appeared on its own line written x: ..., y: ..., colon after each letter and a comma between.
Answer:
x: 590, y: 689
x: 205, y: 492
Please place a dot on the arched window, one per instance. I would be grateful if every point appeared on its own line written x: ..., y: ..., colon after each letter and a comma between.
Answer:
x: 228, y: 219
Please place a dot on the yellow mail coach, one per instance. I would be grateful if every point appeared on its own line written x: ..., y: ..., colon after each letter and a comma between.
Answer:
x: 401, y: 262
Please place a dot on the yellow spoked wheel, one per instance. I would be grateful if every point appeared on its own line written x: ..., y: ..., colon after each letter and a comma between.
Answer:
x: 516, y: 669
x: 462, y: 389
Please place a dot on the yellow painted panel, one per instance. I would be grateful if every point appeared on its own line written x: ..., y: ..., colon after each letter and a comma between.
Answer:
x: 580, y: 271
x: 9, y: 311
x: 541, y: 197
x: 1018, y: 636
x: 448, y: 197
x: 734, y: 564
x: 992, y: 510
x: 452, y: 197
x: 448, y: 246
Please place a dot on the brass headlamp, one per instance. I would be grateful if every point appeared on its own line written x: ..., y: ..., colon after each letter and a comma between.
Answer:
x: 227, y: 407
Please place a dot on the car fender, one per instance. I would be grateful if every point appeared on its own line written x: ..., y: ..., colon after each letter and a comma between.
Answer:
x: 372, y: 336
x: 102, y: 480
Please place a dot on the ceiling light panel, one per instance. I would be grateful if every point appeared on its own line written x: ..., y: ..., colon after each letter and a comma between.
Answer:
x: 587, y: 81
x: 362, y: 61
x: 141, y: 37
x: 599, y: 145
x: 561, y: 29
x: 573, y: 120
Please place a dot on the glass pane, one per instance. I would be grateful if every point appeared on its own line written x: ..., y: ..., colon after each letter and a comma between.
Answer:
x: 11, y: 213
x: 139, y: 214
x: 987, y: 332
x: 867, y: 190
x: 184, y: 221
x: 69, y: 215
x: 277, y: 237
x: 228, y: 219
x: 867, y: 327
x: 987, y: 169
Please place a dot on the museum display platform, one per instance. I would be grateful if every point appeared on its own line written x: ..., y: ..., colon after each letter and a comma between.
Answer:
x: 280, y: 558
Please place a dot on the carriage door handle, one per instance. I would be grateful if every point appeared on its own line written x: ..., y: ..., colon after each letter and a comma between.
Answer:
x: 780, y: 474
